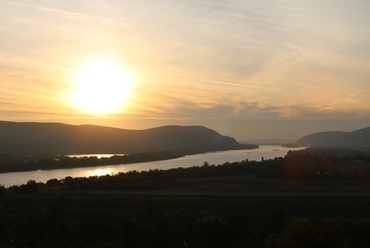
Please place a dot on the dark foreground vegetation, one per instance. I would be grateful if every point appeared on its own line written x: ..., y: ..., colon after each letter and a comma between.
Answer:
x: 310, y: 198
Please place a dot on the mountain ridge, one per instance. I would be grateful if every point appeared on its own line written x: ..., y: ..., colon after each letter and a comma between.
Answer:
x: 356, y: 138
x: 60, y: 138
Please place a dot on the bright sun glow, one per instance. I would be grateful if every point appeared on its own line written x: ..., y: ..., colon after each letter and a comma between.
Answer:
x: 101, y: 88
x: 100, y: 172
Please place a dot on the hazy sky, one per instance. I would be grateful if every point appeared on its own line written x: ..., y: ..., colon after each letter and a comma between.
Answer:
x: 248, y: 69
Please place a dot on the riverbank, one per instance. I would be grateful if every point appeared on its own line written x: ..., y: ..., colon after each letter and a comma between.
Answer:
x: 20, y: 163
x: 212, y: 158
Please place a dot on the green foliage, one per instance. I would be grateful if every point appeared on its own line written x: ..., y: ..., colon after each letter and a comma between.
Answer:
x: 301, y: 232
x: 2, y: 191
x: 212, y: 231
x: 113, y: 219
x: 118, y: 243
x: 29, y: 188
x: 83, y: 220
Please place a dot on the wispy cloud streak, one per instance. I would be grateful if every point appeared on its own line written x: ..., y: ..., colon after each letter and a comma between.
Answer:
x: 244, y: 85
x: 68, y: 14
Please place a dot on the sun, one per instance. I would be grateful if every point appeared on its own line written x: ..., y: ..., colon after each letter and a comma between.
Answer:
x: 100, y: 87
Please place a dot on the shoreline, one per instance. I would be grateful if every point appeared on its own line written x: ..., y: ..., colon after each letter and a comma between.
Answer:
x: 71, y: 162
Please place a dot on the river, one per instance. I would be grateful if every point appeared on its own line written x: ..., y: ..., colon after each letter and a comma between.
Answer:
x: 266, y: 152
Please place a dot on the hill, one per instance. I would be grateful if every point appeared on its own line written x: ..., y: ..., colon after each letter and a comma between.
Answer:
x: 273, y: 142
x: 30, y: 138
x: 358, y: 138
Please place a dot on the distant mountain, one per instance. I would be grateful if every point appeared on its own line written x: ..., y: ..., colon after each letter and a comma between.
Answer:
x: 358, y: 138
x: 268, y: 142
x: 30, y: 138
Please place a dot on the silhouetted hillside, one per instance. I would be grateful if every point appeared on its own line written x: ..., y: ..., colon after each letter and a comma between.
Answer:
x: 70, y: 139
x: 273, y: 142
x: 358, y: 138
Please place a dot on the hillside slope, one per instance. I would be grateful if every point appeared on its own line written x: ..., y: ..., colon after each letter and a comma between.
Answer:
x: 16, y: 137
x: 358, y: 138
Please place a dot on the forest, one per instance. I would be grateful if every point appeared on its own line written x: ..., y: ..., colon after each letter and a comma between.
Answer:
x: 309, y: 198
x: 45, y: 161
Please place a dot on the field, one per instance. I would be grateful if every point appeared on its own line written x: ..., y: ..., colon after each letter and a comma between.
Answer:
x: 226, y: 211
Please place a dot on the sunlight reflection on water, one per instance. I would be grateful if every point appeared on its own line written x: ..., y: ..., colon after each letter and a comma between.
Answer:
x: 94, y: 155
x: 267, y: 152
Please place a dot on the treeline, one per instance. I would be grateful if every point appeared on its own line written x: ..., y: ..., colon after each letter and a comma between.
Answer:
x: 295, y: 165
x: 143, y: 180
x: 342, y: 154
x: 327, y: 163
x: 21, y: 162
x: 69, y: 221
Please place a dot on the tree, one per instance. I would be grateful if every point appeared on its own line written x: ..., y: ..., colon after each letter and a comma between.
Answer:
x: 2, y: 190
x: 52, y: 182
x: 70, y: 182
x: 300, y: 232
x: 29, y: 188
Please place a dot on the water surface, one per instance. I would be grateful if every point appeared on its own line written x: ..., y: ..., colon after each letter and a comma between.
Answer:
x: 266, y: 152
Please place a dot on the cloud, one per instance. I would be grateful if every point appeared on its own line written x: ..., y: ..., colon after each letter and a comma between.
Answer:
x: 66, y: 14
x: 243, y: 85
x: 217, y: 59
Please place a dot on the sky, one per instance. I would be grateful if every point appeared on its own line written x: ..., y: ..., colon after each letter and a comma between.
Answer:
x: 247, y: 69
